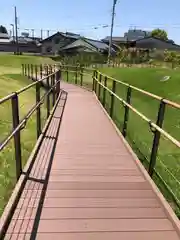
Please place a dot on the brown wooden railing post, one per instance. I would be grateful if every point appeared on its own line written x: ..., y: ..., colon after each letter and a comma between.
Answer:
x: 104, y: 91
x: 48, y: 97
x: 81, y: 76
x: 126, y: 111
x: 67, y: 74
x: 157, y: 135
x: 99, y: 88
x: 112, y: 98
x: 58, y: 77
x: 17, y: 136
x: 38, y: 112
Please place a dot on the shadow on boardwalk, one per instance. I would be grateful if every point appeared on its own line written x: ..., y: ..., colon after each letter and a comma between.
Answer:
x: 54, y: 137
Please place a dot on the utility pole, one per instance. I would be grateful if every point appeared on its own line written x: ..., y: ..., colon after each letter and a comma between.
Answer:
x: 16, y: 30
x: 112, y: 26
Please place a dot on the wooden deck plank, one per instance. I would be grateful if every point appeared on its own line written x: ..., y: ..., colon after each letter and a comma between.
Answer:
x: 99, y: 194
x: 100, y: 202
x: 156, y: 235
x: 95, y: 190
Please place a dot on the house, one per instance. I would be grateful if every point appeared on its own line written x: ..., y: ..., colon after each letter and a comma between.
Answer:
x: 52, y: 44
x: 7, y: 44
x: 134, y: 34
x: 116, y: 41
x: 156, y: 43
x: 70, y: 43
x: 86, y: 45
x: 129, y: 37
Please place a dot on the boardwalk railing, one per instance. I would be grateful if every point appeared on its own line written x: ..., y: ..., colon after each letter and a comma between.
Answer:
x: 105, y: 88
x: 100, y: 87
x: 19, y: 124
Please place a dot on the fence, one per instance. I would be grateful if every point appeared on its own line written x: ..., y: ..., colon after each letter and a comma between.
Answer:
x: 19, y: 124
x: 119, y: 106
x: 100, y: 86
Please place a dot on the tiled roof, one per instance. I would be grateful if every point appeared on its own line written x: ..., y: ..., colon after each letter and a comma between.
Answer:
x: 97, y: 44
x: 67, y: 34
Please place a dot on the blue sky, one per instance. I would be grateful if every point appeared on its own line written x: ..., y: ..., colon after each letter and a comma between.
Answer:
x: 82, y: 16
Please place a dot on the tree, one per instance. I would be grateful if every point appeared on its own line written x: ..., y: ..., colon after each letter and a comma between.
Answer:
x: 3, y: 29
x: 159, y: 33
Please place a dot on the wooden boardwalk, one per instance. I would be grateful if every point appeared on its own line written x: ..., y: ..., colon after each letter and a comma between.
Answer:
x: 87, y: 184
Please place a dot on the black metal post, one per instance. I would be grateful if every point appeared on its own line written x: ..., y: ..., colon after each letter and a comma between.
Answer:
x: 41, y: 71
x: 48, y: 97
x: 48, y: 73
x: 126, y: 111
x: 157, y: 135
x: 81, y: 76
x: 25, y: 70
x: 93, y: 78
x: 53, y: 90
x: 28, y: 71
x: 58, y: 77
x: 96, y: 78
x: 104, y: 91
x: 99, y: 88
x: 112, y: 98
x: 17, y: 136
x: 31, y: 71
x: 38, y: 112
x: 76, y: 75
x: 67, y: 74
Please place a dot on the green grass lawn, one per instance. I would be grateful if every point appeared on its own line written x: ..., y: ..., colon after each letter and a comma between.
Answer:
x: 139, y: 135
x: 10, y: 81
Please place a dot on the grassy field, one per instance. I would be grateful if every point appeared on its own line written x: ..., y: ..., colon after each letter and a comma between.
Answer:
x: 10, y: 81
x: 139, y: 134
